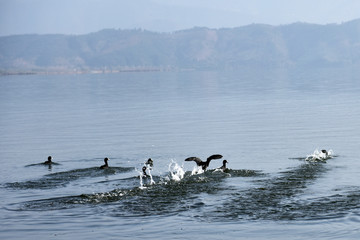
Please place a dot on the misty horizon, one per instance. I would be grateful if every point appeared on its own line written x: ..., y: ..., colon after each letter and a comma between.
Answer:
x: 198, y: 48
x: 185, y: 29
x: 82, y: 17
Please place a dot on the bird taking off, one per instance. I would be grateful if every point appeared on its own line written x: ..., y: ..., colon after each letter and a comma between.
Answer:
x: 202, y: 164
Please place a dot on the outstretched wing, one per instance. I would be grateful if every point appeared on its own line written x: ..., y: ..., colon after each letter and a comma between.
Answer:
x: 196, y: 159
x: 215, y: 156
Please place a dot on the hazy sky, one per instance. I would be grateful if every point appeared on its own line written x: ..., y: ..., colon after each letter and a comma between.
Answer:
x: 84, y: 16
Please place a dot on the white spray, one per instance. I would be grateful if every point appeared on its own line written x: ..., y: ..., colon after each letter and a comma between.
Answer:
x: 177, y: 172
x: 197, y: 170
x: 142, y: 175
x: 320, y: 155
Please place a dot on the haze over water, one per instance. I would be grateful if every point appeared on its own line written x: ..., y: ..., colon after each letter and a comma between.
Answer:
x: 264, y: 122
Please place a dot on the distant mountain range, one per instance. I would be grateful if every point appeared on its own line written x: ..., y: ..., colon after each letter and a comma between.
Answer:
x: 297, y: 44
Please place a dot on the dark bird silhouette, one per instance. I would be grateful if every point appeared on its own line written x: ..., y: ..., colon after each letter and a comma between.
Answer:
x: 326, y: 152
x: 48, y: 161
x: 223, y: 167
x: 150, y: 162
x: 106, y: 164
x: 204, y: 165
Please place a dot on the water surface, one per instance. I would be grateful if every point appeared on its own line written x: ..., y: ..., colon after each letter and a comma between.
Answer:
x: 264, y: 122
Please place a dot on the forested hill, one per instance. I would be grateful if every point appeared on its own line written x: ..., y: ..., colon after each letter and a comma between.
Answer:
x: 257, y: 45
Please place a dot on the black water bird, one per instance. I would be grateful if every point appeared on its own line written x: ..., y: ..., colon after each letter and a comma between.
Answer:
x: 202, y: 164
x: 48, y: 162
x: 223, y: 167
x: 150, y: 162
x: 106, y: 164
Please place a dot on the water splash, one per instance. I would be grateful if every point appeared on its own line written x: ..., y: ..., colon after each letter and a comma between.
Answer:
x: 197, y: 170
x: 320, y: 156
x: 141, y: 180
x: 141, y: 176
x: 151, y: 177
x: 146, y: 175
x: 176, y: 171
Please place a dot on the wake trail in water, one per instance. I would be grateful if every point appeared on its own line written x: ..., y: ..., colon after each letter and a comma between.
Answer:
x: 279, y: 198
x: 174, y: 185
x: 179, y: 191
x: 61, y: 179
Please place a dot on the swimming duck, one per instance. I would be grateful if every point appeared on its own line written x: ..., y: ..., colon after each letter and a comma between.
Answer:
x: 106, y: 164
x: 48, y: 162
x: 223, y: 167
x: 150, y: 162
x: 204, y: 165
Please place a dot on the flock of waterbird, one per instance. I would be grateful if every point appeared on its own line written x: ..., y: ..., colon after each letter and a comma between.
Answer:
x: 322, y: 156
x: 149, y: 163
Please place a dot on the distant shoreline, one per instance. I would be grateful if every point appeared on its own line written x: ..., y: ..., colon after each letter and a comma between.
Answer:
x: 113, y: 51
x: 69, y: 72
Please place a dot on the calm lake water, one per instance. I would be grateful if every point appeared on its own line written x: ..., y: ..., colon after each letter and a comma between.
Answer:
x: 264, y: 123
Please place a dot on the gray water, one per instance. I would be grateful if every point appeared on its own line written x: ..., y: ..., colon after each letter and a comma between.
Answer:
x: 264, y: 122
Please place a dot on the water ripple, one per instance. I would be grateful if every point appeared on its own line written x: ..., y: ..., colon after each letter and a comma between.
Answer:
x: 268, y: 198
x: 61, y: 179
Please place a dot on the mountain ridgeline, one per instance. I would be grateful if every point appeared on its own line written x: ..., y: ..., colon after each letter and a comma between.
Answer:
x: 297, y: 44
